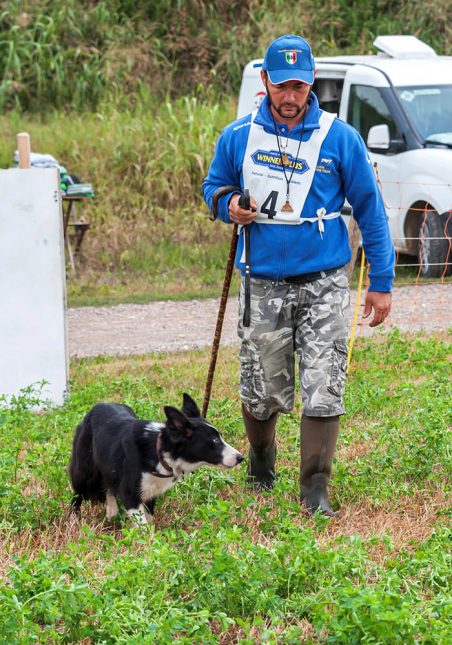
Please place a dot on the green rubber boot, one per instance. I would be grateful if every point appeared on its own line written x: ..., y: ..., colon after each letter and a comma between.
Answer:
x: 262, y: 452
x: 318, y: 444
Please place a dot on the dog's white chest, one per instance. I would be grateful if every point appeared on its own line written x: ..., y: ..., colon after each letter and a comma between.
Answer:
x: 152, y: 487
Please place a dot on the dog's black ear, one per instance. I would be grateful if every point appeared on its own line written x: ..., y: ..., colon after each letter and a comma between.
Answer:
x: 189, y: 407
x: 177, y: 420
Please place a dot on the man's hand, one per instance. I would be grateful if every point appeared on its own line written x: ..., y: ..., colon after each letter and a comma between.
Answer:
x: 240, y: 215
x: 381, y: 304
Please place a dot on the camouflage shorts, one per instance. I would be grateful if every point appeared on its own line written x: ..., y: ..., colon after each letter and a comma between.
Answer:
x: 310, y: 320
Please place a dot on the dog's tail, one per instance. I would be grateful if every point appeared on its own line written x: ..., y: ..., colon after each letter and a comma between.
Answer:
x: 85, y: 477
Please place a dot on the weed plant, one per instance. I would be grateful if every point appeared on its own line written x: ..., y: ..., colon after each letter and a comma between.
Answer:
x: 222, y: 564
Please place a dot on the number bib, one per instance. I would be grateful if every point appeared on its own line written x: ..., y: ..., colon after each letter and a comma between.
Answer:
x: 263, y: 172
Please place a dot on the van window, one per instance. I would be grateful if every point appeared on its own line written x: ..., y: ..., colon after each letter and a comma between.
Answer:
x: 367, y: 108
x: 429, y: 110
x: 328, y: 92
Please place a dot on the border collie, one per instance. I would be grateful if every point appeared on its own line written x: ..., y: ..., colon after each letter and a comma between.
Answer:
x: 117, y: 455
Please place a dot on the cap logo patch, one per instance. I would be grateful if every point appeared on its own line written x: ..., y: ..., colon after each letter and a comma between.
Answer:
x: 291, y: 58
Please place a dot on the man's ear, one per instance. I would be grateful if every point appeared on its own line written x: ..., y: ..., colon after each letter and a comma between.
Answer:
x: 264, y: 78
x: 189, y: 407
x: 177, y: 421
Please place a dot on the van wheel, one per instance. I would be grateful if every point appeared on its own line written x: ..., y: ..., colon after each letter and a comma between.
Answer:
x: 432, y: 246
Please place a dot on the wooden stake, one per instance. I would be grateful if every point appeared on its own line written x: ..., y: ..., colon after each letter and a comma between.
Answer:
x: 23, y: 147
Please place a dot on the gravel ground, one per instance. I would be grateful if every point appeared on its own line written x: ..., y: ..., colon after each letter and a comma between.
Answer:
x: 169, y: 326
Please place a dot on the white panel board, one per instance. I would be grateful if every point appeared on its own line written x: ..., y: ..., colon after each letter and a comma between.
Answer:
x: 33, y: 345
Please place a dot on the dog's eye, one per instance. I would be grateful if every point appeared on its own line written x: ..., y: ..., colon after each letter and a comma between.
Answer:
x: 216, y: 440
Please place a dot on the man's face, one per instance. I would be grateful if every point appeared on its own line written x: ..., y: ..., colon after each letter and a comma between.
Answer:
x: 287, y: 99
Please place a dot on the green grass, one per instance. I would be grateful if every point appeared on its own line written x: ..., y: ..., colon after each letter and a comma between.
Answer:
x: 135, y: 292
x: 223, y: 565
x: 173, y: 270
x: 180, y: 278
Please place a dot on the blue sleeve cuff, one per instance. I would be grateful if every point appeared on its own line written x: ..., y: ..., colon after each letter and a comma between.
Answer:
x: 382, y: 285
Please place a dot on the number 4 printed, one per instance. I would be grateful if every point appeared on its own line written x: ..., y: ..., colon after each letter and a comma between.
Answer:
x: 269, y: 206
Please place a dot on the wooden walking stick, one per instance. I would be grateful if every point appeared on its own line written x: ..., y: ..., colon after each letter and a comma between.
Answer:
x: 220, y: 319
x: 224, y: 296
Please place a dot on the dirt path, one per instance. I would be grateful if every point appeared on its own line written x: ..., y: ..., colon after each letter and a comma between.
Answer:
x: 168, y: 326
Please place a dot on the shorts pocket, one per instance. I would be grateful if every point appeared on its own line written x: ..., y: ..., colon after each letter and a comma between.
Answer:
x: 340, y: 278
x: 338, y: 367
x: 251, y: 381
x: 260, y: 288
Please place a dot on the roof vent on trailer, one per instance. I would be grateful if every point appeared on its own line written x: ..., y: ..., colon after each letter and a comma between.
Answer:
x: 403, y: 47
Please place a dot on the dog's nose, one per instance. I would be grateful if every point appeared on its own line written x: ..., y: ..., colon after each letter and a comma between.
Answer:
x: 240, y: 458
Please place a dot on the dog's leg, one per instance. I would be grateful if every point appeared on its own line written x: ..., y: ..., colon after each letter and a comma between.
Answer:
x: 112, y: 505
x: 149, y: 516
x: 138, y: 515
x: 75, y: 504
x: 149, y: 511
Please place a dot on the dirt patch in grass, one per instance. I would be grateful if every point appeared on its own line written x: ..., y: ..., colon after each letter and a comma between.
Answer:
x: 55, y: 537
x: 410, y: 522
x: 355, y: 451
x: 236, y: 634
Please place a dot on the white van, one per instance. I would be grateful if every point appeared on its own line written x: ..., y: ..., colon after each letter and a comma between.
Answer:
x: 400, y: 100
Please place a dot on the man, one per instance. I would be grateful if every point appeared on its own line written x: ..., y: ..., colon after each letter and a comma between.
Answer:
x: 299, y: 164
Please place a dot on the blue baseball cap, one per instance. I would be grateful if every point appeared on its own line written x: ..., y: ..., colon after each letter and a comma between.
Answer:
x: 289, y: 58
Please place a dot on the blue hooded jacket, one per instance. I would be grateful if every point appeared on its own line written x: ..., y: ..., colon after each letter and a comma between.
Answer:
x: 282, y: 250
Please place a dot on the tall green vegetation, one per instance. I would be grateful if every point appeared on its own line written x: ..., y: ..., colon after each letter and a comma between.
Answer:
x: 74, y: 53
x: 149, y: 234
x: 131, y: 97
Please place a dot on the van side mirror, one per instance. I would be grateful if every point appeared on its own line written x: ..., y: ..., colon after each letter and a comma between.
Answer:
x: 378, y: 138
